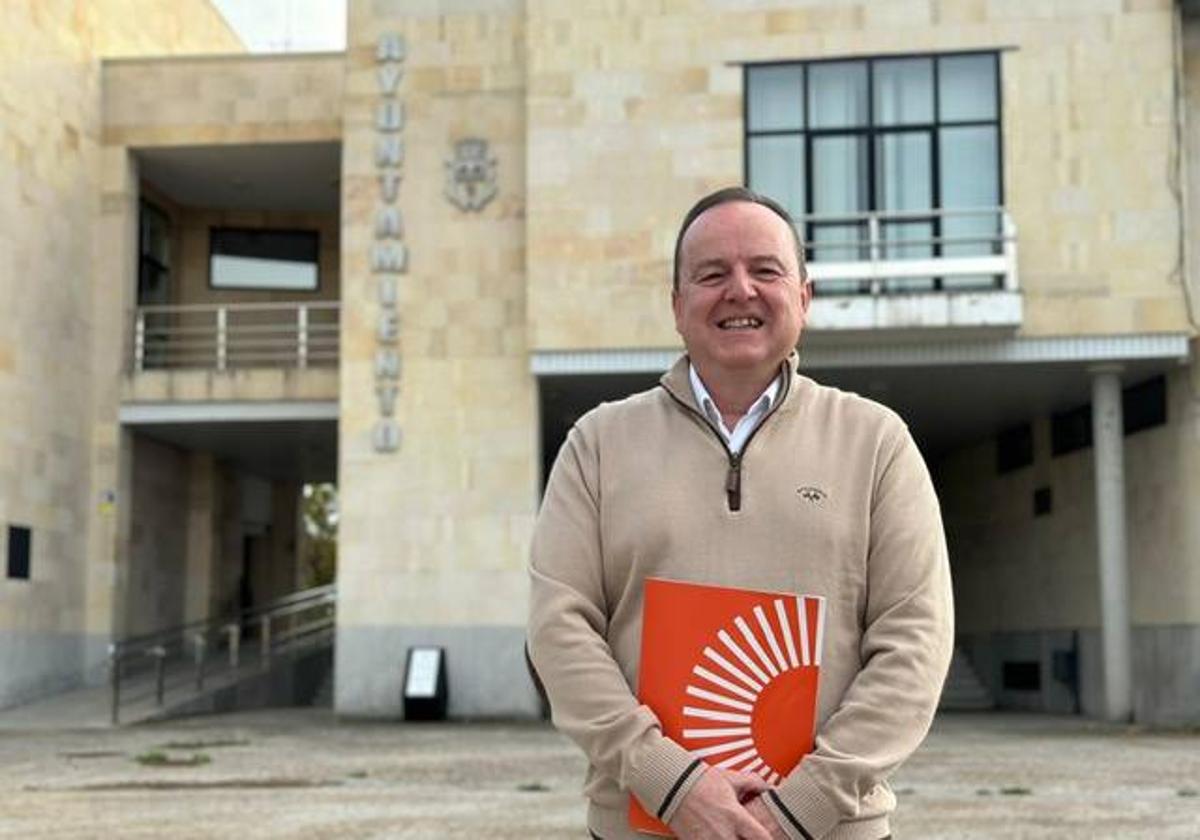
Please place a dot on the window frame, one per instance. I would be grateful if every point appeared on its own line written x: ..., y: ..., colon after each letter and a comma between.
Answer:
x: 1014, y: 448
x: 1145, y: 405
x: 314, y: 233
x: 19, y: 551
x: 148, y: 262
x: 871, y: 132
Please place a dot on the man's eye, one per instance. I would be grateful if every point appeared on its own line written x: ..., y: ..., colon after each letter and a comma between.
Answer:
x: 709, y: 279
x: 767, y: 272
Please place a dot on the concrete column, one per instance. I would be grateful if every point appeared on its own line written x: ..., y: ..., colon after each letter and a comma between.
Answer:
x: 109, y: 487
x: 285, y: 496
x: 203, y: 547
x: 123, y: 548
x: 1116, y: 634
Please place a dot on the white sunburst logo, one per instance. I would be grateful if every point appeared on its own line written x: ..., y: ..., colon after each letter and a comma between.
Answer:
x: 754, y: 689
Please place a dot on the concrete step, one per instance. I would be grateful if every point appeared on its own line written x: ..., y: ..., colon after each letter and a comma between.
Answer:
x: 966, y: 701
x: 964, y: 691
x: 324, y: 696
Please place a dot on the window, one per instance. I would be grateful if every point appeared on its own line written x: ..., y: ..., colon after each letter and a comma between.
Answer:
x: 18, y: 552
x: 1014, y: 448
x: 1071, y: 430
x: 1043, y: 501
x: 835, y: 140
x: 271, y: 260
x: 1144, y: 405
x: 154, y: 256
x: 1022, y: 676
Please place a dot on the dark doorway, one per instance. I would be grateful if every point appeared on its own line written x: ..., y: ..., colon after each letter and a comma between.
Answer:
x: 246, y: 583
x: 562, y: 400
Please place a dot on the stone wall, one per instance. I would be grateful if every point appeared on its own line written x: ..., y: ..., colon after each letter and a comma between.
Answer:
x: 155, y: 577
x: 433, y: 537
x: 231, y: 99
x: 249, y: 384
x: 57, y: 393
x: 635, y: 110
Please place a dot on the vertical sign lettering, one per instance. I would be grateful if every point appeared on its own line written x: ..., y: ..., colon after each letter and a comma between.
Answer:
x: 389, y: 254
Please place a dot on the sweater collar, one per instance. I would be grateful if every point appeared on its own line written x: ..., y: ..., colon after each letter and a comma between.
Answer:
x: 677, y: 381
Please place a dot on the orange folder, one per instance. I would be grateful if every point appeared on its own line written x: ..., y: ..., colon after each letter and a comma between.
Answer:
x: 732, y: 675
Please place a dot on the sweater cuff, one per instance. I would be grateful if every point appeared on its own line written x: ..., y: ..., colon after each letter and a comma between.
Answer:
x: 662, y: 776
x: 802, y: 810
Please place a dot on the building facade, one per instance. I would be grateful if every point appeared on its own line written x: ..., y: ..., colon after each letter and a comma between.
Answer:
x: 410, y: 266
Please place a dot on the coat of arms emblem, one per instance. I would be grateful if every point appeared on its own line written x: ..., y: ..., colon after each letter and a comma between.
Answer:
x: 471, y: 175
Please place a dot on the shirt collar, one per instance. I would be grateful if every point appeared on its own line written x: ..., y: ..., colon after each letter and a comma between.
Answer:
x: 709, y: 406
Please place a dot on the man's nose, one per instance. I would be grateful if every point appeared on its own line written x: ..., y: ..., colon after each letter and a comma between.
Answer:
x: 741, y: 285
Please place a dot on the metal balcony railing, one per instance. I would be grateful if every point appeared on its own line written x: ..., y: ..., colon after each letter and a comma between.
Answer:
x: 226, y: 336
x: 970, y: 250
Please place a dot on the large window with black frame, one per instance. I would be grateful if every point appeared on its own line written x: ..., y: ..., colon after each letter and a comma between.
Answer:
x: 902, y: 148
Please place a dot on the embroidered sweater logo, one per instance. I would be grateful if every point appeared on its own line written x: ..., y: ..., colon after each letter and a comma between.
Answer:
x: 812, y: 495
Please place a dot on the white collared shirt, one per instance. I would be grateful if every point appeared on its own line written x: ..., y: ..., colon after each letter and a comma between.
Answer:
x: 746, y: 424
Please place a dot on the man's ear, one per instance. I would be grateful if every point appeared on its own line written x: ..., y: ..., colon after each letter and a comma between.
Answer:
x: 806, y: 293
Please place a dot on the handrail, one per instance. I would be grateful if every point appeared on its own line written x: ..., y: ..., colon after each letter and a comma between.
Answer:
x: 150, y: 639
x: 297, y: 334
x: 903, y: 215
x: 291, y: 598
x: 331, y: 305
x: 198, y: 636
x: 880, y: 259
x: 247, y: 613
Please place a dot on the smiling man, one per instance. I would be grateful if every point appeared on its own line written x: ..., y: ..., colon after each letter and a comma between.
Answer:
x: 740, y: 297
x: 739, y: 472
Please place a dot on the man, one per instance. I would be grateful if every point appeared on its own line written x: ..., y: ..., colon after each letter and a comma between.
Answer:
x: 739, y: 472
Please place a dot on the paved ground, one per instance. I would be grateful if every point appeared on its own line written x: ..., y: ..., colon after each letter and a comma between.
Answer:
x: 301, y: 774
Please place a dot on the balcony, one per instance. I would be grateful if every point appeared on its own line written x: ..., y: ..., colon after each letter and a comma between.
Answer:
x: 233, y: 353
x: 237, y: 278
x: 222, y: 337
x: 928, y: 269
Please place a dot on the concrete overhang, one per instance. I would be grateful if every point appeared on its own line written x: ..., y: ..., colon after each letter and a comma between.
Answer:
x: 248, y: 389
x: 222, y: 100
x: 284, y: 177
x: 951, y: 392
x: 174, y: 413
x: 284, y: 441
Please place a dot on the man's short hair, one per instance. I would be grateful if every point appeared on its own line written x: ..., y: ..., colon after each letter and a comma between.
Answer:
x: 726, y: 196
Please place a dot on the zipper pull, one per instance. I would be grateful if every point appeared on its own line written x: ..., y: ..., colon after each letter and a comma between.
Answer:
x: 733, y: 483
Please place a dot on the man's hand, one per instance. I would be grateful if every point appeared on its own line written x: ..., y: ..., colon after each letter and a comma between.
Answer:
x: 714, y: 809
x: 766, y: 818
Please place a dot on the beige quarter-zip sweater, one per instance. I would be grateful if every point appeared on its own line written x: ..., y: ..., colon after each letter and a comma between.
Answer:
x: 829, y: 497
